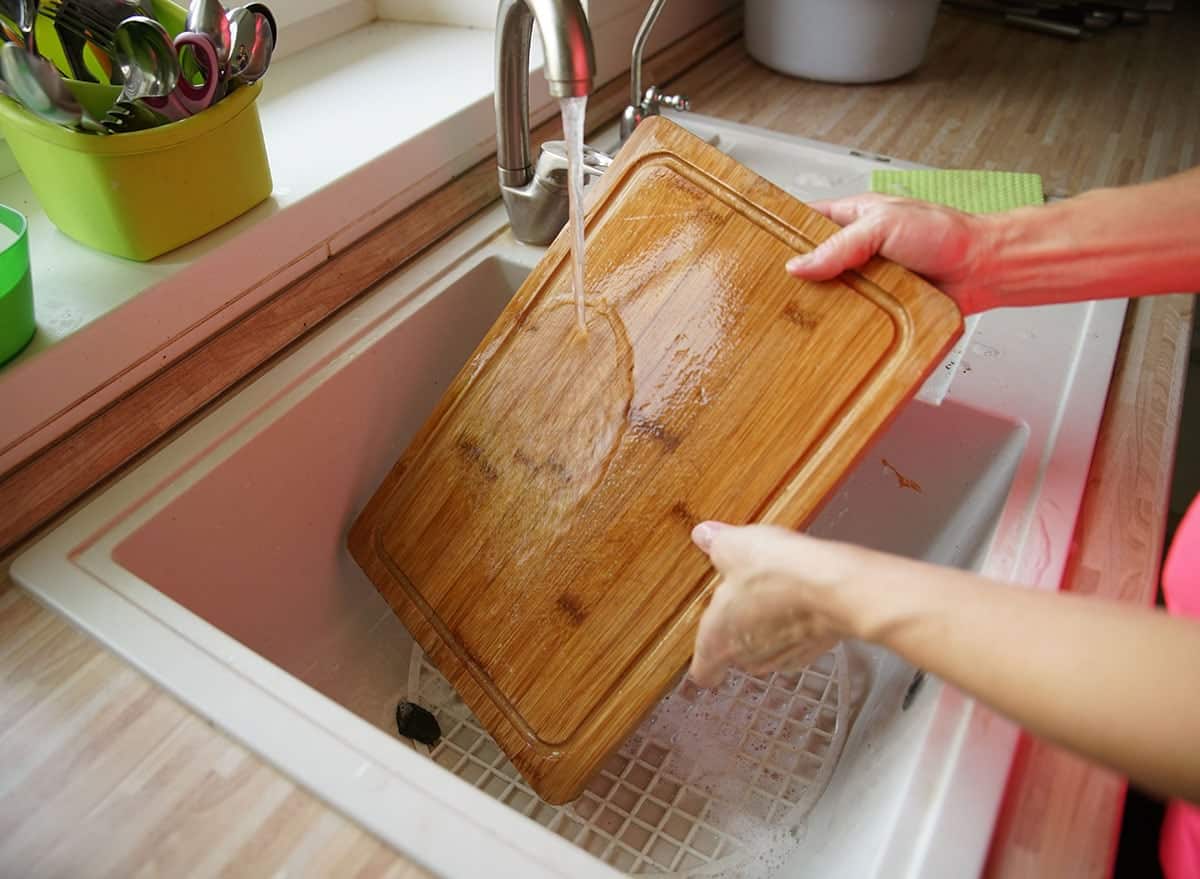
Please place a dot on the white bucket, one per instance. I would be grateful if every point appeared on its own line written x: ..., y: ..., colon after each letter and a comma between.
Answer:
x: 840, y: 40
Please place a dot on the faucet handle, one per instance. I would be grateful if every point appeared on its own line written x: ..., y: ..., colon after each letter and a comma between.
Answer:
x: 650, y: 105
x: 651, y: 101
x: 552, y: 163
x: 656, y: 100
x: 679, y: 103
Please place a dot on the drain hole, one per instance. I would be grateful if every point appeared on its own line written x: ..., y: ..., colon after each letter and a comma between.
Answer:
x: 414, y: 722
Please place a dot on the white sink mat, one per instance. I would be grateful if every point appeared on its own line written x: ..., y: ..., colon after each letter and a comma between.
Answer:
x: 714, y: 782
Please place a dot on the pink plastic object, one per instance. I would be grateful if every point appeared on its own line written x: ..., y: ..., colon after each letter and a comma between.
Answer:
x: 1179, y: 845
x: 187, y: 98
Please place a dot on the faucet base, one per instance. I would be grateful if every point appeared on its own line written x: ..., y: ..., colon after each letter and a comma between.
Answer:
x: 536, y: 211
x: 539, y: 208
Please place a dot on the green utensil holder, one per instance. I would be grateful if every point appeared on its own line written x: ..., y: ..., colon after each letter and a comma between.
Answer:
x: 141, y: 194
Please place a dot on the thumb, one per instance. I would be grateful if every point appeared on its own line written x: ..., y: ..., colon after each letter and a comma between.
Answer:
x: 735, y: 549
x: 726, y: 545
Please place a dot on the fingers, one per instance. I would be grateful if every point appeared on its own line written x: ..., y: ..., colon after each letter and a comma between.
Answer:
x: 845, y: 211
x: 731, y: 633
x: 872, y: 223
x: 848, y: 249
x: 713, y: 642
x: 825, y: 207
x: 742, y: 622
x: 772, y: 606
x: 747, y: 549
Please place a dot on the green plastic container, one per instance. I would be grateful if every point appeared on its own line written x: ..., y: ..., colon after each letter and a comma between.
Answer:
x: 16, y: 287
x: 141, y: 194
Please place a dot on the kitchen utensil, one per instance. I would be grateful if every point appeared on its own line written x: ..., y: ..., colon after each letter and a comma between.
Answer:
x: 41, y: 88
x: 149, y: 61
x: 241, y: 37
x: 146, y: 56
x: 534, y: 537
x: 127, y: 116
x: 93, y: 17
x: 149, y: 68
x: 18, y: 18
x: 72, y: 43
x: 49, y: 45
x: 261, y: 9
x: 75, y: 22
x: 258, y: 40
x: 208, y: 17
x: 17, y: 325
x: 187, y: 97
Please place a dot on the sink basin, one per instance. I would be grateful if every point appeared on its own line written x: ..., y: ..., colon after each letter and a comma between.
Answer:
x: 219, y: 567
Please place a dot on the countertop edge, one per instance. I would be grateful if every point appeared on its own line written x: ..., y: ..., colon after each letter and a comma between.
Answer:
x: 1061, y: 815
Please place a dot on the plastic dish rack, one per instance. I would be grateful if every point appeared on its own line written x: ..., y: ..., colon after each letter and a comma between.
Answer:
x: 714, y: 783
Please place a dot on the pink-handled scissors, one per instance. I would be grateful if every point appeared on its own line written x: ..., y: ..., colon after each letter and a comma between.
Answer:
x: 188, y: 98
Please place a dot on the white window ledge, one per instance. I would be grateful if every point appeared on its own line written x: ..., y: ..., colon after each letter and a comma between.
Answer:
x: 357, y: 128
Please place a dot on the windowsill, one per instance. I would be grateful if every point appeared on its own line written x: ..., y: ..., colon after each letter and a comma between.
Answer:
x: 357, y: 129
x: 333, y: 117
x: 325, y: 113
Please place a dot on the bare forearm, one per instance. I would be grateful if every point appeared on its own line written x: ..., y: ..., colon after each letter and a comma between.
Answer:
x: 1088, y: 674
x: 1132, y: 241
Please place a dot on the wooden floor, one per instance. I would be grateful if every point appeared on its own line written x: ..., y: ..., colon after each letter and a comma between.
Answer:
x: 103, y: 774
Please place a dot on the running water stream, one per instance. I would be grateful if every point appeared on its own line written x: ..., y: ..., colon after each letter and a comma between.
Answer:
x: 573, y: 111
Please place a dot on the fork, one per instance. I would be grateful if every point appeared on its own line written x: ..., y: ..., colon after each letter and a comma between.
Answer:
x: 126, y: 116
x: 85, y: 22
x: 71, y: 41
x: 78, y: 22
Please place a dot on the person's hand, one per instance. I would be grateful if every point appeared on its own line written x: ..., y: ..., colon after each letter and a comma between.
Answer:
x: 942, y: 244
x: 781, y: 603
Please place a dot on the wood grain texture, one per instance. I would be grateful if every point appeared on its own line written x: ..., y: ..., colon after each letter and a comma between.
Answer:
x: 535, y: 538
x: 1113, y: 110
x: 103, y: 774
x: 44, y: 485
x: 1125, y: 111
x: 1061, y: 814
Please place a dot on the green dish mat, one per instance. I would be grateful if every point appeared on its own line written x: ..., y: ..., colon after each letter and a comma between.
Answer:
x: 978, y: 192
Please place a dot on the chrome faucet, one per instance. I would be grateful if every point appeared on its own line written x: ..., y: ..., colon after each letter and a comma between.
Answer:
x: 536, y: 197
x: 651, y: 101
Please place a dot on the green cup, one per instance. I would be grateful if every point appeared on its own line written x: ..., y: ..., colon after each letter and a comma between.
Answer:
x: 16, y: 288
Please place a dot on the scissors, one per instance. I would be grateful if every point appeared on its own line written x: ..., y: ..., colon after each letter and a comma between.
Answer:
x: 189, y: 98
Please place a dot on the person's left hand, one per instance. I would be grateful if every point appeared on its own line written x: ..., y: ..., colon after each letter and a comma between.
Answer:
x: 780, y: 605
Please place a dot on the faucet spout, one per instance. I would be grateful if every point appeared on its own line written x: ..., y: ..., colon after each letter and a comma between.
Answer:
x: 570, y: 67
x: 567, y: 43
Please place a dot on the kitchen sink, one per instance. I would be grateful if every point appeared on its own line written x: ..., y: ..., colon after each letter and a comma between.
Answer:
x: 219, y: 567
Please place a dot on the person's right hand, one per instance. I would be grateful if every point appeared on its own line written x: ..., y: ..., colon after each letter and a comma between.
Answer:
x: 946, y: 246
x: 782, y: 601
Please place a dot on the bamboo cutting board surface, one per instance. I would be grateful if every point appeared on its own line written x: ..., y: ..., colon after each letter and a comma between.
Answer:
x: 534, y: 537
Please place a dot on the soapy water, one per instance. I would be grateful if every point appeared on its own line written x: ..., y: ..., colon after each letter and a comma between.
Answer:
x: 715, y: 783
x: 573, y: 113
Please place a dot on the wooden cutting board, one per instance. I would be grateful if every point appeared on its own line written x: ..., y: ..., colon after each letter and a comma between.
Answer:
x: 534, y: 537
